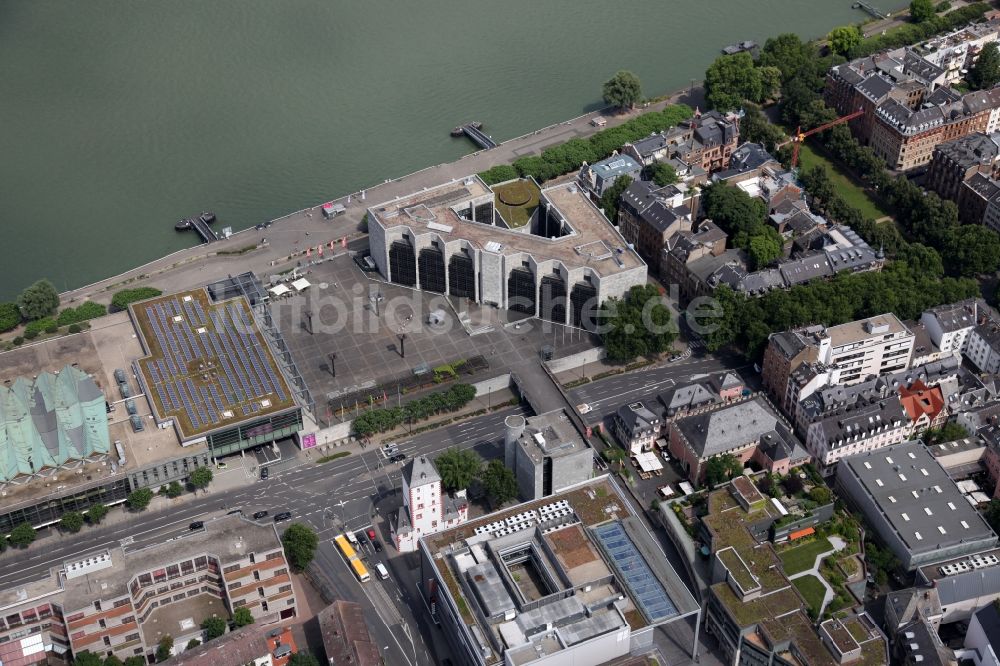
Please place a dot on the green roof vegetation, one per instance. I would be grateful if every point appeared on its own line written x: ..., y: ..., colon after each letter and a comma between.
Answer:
x: 747, y: 613
x: 738, y: 570
x: 812, y: 590
x: 857, y: 630
x: 803, y: 557
x: 516, y: 201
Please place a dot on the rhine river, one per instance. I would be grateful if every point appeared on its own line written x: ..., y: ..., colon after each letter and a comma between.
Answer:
x: 119, y: 117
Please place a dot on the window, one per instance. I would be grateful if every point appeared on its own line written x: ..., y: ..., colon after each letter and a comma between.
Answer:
x: 107, y: 640
x: 97, y: 605
x: 128, y: 618
x: 231, y: 568
x: 102, y: 624
x: 275, y: 555
x: 284, y: 588
x: 121, y: 602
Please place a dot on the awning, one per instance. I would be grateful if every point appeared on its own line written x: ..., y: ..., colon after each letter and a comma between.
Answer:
x: 798, y: 534
x: 301, y: 284
x: 279, y: 289
x: 647, y: 461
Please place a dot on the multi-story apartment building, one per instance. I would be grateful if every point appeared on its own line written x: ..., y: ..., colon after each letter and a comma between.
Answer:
x: 426, y: 509
x: 955, y: 162
x: 848, y: 432
x: 949, y: 325
x: 109, y: 602
x: 649, y: 216
x: 636, y: 427
x: 908, y: 109
x: 800, y: 361
x: 983, y: 348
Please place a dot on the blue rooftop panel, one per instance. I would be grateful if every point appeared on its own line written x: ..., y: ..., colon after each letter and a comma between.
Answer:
x: 645, y: 588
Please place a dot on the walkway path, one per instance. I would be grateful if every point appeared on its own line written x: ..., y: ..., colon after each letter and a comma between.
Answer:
x: 838, y: 545
x: 288, y: 238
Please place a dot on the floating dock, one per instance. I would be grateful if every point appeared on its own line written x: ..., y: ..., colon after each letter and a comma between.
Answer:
x: 475, y: 132
x: 865, y: 7
x: 733, y: 49
x: 200, y: 226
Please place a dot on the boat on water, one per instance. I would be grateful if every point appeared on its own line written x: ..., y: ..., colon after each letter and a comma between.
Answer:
x: 189, y: 222
x: 458, y: 131
x: 733, y: 49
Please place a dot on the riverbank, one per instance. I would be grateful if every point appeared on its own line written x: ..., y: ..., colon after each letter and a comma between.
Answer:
x: 284, y: 243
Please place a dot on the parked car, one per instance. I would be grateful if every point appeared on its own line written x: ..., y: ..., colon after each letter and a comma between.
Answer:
x: 259, y: 515
x: 377, y: 545
x: 390, y: 449
x: 284, y: 515
x: 264, y: 473
x: 399, y: 457
x: 197, y: 525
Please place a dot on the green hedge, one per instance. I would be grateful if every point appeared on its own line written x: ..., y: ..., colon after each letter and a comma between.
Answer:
x: 10, y: 316
x: 123, y: 298
x: 380, y: 420
x: 83, y: 312
x: 38, y: 326
x: 568, y: 156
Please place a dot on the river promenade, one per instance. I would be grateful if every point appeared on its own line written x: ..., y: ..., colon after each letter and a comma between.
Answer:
x: 283, y: 244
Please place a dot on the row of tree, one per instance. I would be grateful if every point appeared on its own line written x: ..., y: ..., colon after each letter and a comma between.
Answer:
x: 383, y: 419
x: 460, y: 467
x: 568, y: 156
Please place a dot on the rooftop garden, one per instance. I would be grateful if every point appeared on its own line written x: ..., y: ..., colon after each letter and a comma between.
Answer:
x: 516, y: 201
x: 738, y: 570
x: 803, y: 557
x: 812, y: 591
x: 746, y: 613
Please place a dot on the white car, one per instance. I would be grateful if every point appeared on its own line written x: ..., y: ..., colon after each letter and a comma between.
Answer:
x: 584, y: 408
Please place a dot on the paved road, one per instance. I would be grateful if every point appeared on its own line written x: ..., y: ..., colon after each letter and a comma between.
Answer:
x: 330, y: 497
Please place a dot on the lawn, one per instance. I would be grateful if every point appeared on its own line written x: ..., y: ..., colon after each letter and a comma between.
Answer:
x: 804, y: 556
x: 813, y: 591
x: 516, y: 201
x: 848, y: 188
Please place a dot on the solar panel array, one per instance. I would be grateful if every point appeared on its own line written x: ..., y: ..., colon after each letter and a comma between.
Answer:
x: 647, y: 591
x: 220, y: 351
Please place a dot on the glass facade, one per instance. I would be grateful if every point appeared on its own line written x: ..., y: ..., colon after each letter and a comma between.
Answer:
x: 253, y: 433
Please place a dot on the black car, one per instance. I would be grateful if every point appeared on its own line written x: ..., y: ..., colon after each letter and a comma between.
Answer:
x: 259, y: 515
x: 377, y: 545
x: 399, y: 457
x: 264, y: 473
x: 197, y: 525
x: 284, y: 515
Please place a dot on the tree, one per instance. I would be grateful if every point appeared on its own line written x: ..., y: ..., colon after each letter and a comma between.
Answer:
x: 844, y: 39
x: 39, y: 300
x: 663, y: 174
x: 986, y: 72
x: 139, y: 499
x: 499, y: 482
x: 10, y: 316
x: 730, y: 80
x: 300, y: 544
x: 97, y: 512
x: 792, y: 483
x: 123, y: 298
x: 637, y: 325
x: 193, y: 643
x: 302, y: 658
x: 949, y: 432
x: 922, y: 10
x: 135, y: 661
x: 765, y: 248
x: 165, y: 648
x: 458, y: 467
x: 992, y: 514
x: 86, y: 658
x: 214, y: 627
x: 201, y: 477
x: 821, y: 495
x: 22, y: 535
x: 242, y: 616
x: 623, y: 90
x: 722, y: 468
x: 112, y: 660
x: 172, y: 490
x: 71, y: 521
x: 612, y: 196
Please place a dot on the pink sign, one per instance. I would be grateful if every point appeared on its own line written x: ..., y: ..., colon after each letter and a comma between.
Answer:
x: 308, y: 441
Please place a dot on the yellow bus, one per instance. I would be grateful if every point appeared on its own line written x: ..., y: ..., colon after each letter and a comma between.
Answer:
x: 352, y: 558
x: 345, y: 547
x: 360, y: 571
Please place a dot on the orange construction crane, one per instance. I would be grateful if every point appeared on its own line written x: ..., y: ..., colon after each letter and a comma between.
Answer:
x: 800, y: 136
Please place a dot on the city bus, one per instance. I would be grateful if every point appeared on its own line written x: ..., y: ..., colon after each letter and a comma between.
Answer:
x: 352, y: 558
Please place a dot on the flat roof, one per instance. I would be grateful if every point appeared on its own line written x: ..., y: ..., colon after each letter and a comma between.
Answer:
x: 856, y: 331
x: 591, y: 532
x: 917, y: 497
x: 109, y: 344
x: 594, y: 243
x: 229, y: 537
x: 208, y: 365
x: 558, y: 436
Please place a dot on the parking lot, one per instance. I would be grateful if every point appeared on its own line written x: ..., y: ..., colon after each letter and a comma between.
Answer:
x: 361, y: 321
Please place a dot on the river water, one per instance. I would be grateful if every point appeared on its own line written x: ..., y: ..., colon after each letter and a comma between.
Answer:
x: 118, y: 117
